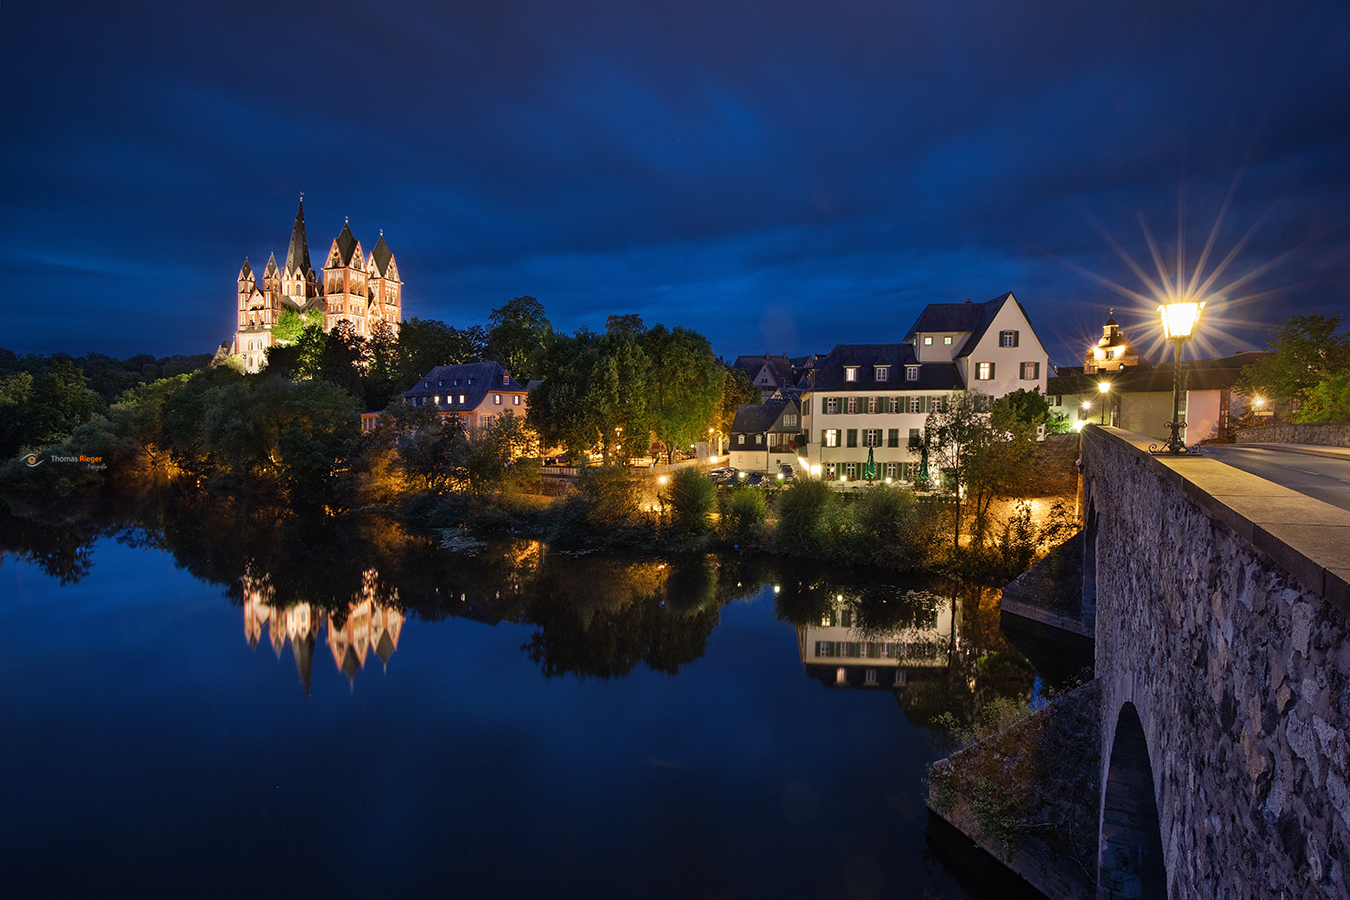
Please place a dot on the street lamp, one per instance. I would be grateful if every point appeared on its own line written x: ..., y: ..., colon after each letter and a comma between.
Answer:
x: 1104, y: 387
x: 1180, y: 315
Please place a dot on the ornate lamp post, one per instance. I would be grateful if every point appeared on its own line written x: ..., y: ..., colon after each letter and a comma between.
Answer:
x: 1104, y: 387
x: 1180, y: 315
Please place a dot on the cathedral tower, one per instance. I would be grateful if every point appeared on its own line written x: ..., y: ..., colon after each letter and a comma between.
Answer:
x: 344, y: 283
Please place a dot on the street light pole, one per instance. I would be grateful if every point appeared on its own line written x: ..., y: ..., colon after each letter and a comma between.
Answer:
x: 1179, y: 318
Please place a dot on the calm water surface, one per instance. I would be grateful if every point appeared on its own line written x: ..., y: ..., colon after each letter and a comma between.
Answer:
x: 185, y: 718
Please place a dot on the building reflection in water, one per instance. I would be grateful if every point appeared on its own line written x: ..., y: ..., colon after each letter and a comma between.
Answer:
x: 836, y: 651
x: 372, y: 621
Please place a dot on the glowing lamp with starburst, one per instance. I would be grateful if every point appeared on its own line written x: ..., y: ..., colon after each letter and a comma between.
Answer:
x: 1179, y: 317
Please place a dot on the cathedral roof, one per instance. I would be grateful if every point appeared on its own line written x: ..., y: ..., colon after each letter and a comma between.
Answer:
x: 297, y: 255
x: 381, y: 255
x: 246, y: 271
x: 271, y: 265
x: 346, y: 245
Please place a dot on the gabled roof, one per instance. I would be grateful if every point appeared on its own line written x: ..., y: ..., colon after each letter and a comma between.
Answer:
x: 271, y: 265
x: 779, y: 366
x: 245, y: 271
x: 474, y: 380
x: 974, y: 318
x: 297, y: 255
x: 942, y: 376
x: 757, y: 418
x: 381, y: 255
x: 346, y: 244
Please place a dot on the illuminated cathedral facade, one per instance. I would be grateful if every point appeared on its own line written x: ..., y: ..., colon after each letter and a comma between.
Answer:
x: 362, y: 289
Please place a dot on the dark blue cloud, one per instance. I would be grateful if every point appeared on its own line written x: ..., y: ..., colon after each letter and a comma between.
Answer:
x: 778, y: 175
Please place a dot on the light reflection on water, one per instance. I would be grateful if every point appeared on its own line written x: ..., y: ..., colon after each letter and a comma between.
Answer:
x: 523, y: 735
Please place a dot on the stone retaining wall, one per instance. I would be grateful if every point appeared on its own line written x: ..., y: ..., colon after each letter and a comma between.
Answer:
x: 1326, y: 434
x: 1239, y: 671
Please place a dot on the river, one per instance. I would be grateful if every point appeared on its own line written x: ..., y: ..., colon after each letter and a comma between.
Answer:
x: 211, y: 705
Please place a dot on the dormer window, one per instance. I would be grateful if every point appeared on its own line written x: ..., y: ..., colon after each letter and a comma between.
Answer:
x: 440, y: 382
x: 928, y: 342
x: 456, y: 382
x: 883, y: 373
x: 947, y: 341
x: 506, y: 377
x: 461, y: 398
x: 850, y: 373
x: 911, y: 373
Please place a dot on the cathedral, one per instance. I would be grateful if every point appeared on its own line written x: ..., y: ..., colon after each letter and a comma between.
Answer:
x: 364, y: 290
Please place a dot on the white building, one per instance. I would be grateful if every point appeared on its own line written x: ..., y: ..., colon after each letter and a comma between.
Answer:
x: 875, y: 397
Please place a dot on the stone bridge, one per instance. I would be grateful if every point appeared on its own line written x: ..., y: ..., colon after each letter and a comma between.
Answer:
x: 1222, y: 610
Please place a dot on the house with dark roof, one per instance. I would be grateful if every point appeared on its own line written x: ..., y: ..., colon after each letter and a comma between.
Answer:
x: 476, y: 392
x: 993, y: 344
x: 1139, y: 398
x: 871, y: 398
x: 762, y: 435
x: 866, y: 400
x: 769, y: 373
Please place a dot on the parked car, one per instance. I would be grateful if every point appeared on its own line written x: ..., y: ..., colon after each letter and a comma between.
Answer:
x: 724, y: 474
x: 563, y: 461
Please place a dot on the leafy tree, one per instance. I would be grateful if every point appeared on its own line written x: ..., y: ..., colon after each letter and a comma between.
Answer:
x: 291, y: 323
x: 518, y: 334
x: 343, y: 359
x: 691, y: 497
x: 424, y: 344
x: 744, y: 509
x: 1308, y: 350
x: 59, y: 401
x: 737, y: 390
x: 431, y: 447
x: 803, y: 511
x: 686, y: 386
x: 1329, y: 401
x: 493, y: 454
x: 627, y: 322
x: 953, y: 436
x: 1029, y: 407
x: 596, y: 393
x: 298, y: 360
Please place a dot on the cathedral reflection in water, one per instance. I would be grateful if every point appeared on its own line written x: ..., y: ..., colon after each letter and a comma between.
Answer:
x: 372, y: 623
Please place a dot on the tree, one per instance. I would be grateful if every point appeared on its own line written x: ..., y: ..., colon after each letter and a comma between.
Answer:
x: 424, y: 344
x: 1029, y: 407
x: 952, y: 434
x: 737, y: 390
x: 595, y: 394
x: 291, y: 323
x: 518, y: 334
x: 431, y: 447
x: 1329, y: 401
x: 627, y: 322
x: 1307, y: 350
x: 686, y: 386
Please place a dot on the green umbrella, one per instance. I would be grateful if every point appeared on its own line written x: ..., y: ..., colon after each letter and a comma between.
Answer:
x: 870, y: 470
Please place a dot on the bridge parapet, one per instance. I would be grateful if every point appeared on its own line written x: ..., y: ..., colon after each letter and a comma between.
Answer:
x: 1222, y: 622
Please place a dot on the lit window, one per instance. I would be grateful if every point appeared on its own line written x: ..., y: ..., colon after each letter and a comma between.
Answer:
x: 832, y: 437
x: 496, y: 399
x: 911, y: 373
x: 984, y: 371
x: 947, y: 341
x: 928, y: 342
x: 461, y: 398
x: 1031, y: 371
x: 850, y: 373
x: 515, y: 401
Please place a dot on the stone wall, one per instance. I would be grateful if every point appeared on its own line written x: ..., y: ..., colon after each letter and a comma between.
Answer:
x: 1326, y: 434
x: 1238, y: 672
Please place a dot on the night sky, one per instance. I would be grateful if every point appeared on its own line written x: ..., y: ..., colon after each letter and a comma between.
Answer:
x: 779, y: 175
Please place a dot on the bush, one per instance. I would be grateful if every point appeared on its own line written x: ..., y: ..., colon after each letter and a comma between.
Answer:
x: 612, y: 495
x: 802, y: 510
x: 1329, y: 401
x: 743, y: 511
x: 692, y: 497
x: 892, y: 528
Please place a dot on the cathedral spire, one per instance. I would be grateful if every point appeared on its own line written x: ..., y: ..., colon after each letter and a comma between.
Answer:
x: 297, y: 256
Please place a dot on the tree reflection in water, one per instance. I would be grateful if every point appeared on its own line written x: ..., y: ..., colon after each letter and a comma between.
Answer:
x: 936, y: 644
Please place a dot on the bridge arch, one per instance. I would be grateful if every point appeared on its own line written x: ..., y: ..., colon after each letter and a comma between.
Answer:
x: 1130, y: 854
